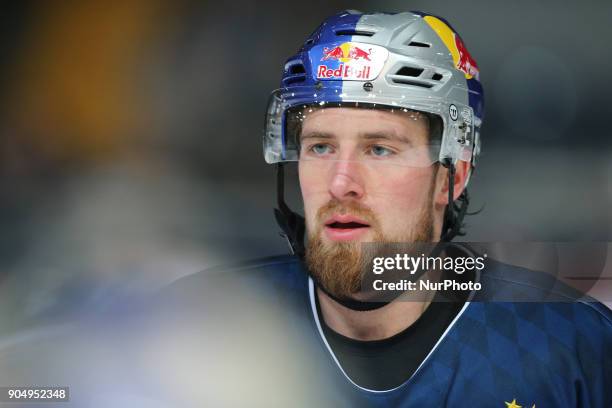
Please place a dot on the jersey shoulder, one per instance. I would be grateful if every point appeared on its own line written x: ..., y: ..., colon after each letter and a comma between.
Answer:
x: 523, y: 301
x: 510, y: 283
x: 537, y: 336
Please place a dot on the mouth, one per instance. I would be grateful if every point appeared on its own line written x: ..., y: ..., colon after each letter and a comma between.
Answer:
x: 346, y: 225
x: 345, y: 228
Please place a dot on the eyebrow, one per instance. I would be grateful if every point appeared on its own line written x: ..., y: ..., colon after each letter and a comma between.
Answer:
x: 317, y: 135
x: 366, y: 136
x: 386, y: 136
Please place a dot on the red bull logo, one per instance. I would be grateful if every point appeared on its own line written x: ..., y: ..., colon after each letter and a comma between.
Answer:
x: 461, y: 57
x: 465, y: 63
x: 345, y: 53
x: 343, y: 71
x: 357, y: 53
x: 351, y: 61
x: 335, y: 53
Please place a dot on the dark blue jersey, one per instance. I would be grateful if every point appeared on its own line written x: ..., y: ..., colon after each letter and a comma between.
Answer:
x: 493, y: 354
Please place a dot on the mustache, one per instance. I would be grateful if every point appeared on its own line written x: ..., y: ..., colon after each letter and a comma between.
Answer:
x: 353, y: 208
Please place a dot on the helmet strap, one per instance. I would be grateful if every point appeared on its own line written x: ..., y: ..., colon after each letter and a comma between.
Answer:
x: 292, y: 224
x: 454, y: 213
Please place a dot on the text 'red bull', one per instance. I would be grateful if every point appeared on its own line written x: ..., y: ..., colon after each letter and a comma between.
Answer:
x: 345, y: 54
x: 343, y: 71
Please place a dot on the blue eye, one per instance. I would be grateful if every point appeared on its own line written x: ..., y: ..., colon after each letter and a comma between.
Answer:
x: 320, y: 149
x: 380, y: 151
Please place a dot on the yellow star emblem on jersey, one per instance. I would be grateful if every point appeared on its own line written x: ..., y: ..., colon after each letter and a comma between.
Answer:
x: 512, y: 404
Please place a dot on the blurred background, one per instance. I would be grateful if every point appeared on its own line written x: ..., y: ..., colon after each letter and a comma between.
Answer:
x: 130, y: 136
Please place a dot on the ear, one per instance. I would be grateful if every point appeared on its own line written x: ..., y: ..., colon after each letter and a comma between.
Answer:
x: 462, y: 169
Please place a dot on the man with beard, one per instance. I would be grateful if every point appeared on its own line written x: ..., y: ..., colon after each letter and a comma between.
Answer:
x: 382, y: 114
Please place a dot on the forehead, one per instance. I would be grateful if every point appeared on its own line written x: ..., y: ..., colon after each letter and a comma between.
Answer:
x: 347, y: 122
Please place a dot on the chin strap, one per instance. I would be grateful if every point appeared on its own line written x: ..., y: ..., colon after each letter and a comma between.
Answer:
x: 454, y: 213
x: 292, y: 224
x: 293, y: 227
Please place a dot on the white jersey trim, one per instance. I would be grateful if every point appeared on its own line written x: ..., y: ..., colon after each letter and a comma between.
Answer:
x: 313, y: 305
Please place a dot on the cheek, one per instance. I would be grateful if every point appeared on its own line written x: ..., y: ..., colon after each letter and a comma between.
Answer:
x: 308, y: 182
x: 312, y: 188
x: 400, y: 197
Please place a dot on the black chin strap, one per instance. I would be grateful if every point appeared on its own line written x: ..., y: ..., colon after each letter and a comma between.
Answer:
x: 455, y: 210
x: 293, y: 227
x: 292, y: 224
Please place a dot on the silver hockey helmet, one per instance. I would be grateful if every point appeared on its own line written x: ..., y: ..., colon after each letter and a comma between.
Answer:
x: 406, y: 62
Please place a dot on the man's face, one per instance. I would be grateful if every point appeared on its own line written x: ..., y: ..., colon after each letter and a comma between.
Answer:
x: 357, y: 188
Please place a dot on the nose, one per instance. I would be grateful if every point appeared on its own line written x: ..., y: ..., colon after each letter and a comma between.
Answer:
x: 345, y: 182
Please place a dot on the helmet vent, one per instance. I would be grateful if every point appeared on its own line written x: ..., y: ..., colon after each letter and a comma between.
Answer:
x: 409, y: 71
x: 361, y: 33
x: 295, y: 72
x: 411, y: 76
x: 297, y: 69
x: 414, y: 82
x: 419, y: 44
x: 416, y: 76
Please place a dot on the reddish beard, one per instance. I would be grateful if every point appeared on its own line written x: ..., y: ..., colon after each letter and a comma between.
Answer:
x: 339, y: 266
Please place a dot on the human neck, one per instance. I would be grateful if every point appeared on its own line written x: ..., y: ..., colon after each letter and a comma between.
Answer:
x: 370, y: 325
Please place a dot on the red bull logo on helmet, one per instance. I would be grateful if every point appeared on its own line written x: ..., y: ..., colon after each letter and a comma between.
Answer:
x: 346, y: 52
x: 343, y: 72
x: 461, y: 57
x: 349, y: 61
